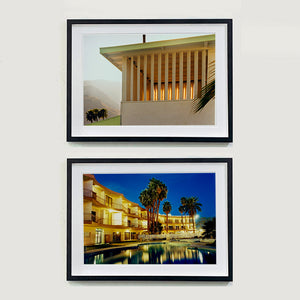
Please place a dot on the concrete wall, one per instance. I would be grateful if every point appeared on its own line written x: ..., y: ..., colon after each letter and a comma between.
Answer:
x: 179, y: 112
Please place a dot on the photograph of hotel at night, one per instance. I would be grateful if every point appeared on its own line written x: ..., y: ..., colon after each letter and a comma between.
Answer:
x: 149, y: 218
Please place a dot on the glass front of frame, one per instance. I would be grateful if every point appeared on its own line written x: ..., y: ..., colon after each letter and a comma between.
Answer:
x: 148, y: 80
x: 149, y: 219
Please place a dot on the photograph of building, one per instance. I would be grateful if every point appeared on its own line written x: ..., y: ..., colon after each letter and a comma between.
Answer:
x: 111, y: 221
x: 160, y: 82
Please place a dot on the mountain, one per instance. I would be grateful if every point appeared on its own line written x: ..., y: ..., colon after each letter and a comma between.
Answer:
x: 102, y: 94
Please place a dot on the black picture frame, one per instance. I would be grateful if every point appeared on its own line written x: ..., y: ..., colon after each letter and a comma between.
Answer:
x: 121, y: 161
x: 227, y: 138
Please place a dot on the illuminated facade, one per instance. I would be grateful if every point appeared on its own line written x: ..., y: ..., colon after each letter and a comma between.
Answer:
x: 176, y: 224
x: 110, y: 217
x: 161, y: 79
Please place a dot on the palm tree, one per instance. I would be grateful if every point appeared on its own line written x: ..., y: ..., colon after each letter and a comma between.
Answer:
x: 90, y: 116
x: 167, y: 208
x: 181, y: 210
x: 96, y: 113
x: 183, y: 202
x: 207, y: 92
x: 209, y: 229
x: 159, y: 192
x: 102, y: 113
x: 151, y: 198
x: 147, y: 201
x: 192, y: 206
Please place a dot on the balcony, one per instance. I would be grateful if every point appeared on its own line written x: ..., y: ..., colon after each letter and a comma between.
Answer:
x: 117, y: 206
x: 133, y: 225
x: 89, y: 193
x: 90, y: 218
x: 133, y: 213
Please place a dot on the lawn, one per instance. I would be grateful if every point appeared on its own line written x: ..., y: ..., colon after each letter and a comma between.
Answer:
x: 110, y: 121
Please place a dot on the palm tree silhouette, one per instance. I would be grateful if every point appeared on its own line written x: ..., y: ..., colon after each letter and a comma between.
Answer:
x: 183, y: 206
x: 207, y: 92
x: 102, y: 113
x: 146, y: 200
x: 209, y: 229
x: 192, y: 207
x: 181, y: 210
x: 166, y: 209
x: 95, y: 112
x: 90, y: 116
x: 159, y: 191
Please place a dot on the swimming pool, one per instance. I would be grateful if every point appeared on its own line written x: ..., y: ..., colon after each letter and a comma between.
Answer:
x: 155, y: 253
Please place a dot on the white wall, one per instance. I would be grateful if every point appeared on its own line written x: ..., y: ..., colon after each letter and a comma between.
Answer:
x: 266, y: 148
x: 179, y: 112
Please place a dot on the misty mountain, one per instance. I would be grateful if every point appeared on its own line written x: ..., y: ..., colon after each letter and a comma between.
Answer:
x: 102, y: 94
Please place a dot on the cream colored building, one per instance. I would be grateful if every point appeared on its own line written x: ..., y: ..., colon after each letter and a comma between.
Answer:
x: 176, y: 224
x: 110, y: 217
x: 161, y: 79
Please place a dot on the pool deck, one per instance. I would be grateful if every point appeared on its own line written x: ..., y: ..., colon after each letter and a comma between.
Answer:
x: 119, y: 246
x: 196, y: 245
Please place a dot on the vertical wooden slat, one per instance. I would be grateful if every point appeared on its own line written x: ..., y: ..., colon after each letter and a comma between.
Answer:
x: 131, y: 79
x: 152, y: 78
x: 203, y: 74
x: 173, y: 75
x: 196, y: 74
x: 124, y: 78
x: 181, y: 75
x: 188, y: 76
x: 138, y: 79
x: 159, y: 77
x: 145, y: 77
x: 166, y: 75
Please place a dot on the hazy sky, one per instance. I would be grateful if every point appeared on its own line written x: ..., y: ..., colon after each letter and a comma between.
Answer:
x: 201, y: 185
x: 96, y: 66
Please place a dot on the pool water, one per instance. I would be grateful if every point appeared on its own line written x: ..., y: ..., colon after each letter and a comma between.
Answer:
x: 155, y: 253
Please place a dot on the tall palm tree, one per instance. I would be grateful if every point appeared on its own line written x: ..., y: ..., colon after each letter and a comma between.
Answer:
x: 183, y: 202
x: 207, y: 92
x: 181, y: 210
x: 166, y: 209
x: 159, y: 191
x: 146, y: 200
x: 192, y: 206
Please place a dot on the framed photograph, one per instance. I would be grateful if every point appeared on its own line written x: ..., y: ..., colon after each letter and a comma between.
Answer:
x: 149, y: 80
x: 149, y: 219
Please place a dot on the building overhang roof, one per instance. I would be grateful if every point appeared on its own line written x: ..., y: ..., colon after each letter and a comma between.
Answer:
x: 116, y: 53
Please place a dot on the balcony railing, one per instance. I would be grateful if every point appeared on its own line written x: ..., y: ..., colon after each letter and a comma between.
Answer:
x: 101, y: 200
x: 130, y: 212
x: 89, y: 193
x: 133, y: 225
x: 89, y: 217
x: 100, y: 221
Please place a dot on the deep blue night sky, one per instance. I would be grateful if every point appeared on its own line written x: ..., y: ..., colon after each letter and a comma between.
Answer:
x: 201, y: 185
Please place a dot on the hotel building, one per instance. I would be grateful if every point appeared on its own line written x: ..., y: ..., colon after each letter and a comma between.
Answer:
x: 160, y: 80
x: 110, y: 217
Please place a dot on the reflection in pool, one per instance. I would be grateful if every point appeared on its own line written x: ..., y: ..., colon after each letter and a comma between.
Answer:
x: 155, y: 253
